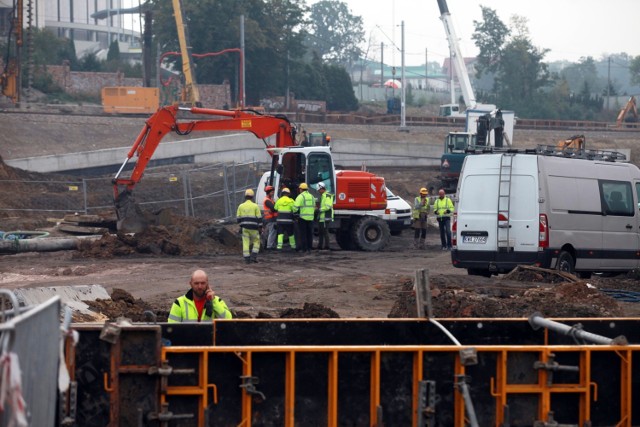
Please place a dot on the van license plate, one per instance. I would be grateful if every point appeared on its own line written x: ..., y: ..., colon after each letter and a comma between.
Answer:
x: 474, y: 239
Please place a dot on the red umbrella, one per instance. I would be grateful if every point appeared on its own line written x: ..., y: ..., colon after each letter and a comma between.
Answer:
x: 396, y: 84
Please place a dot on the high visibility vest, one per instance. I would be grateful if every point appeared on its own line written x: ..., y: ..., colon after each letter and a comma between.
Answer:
x: 326, y: 207
x: 268, y: 209
x: 248, y: 215
x: 305, y: 205
x: 284, y: 207
x: 184, y: 310
x: 440, y: 206
x: 420, y: 206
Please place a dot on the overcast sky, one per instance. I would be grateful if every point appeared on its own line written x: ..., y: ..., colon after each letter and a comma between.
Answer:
x: 570, y: 28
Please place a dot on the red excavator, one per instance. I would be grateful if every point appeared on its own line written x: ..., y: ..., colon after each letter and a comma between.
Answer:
x: 360, y: 197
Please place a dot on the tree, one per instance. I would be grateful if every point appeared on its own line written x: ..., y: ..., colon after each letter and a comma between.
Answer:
x: 340, y: 96
x: 114, y: 51
x: 520, y: 72
x: 490, y: 35
x: 335, y: 33
x: 634, y: 69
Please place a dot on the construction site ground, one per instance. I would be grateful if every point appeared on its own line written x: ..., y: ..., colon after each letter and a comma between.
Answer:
x: 146, y: 272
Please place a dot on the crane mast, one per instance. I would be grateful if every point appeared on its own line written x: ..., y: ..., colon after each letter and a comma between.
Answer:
x: 191, y: 95
x: 457, y: 58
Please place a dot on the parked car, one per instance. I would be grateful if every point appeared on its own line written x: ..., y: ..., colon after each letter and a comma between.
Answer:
x: 397, y: 214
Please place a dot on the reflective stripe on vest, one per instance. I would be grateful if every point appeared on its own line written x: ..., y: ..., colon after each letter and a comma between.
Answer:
x: 307, y: 207
x: 249, y: 216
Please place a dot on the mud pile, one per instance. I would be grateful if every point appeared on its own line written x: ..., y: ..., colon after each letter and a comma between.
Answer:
x: 181, y: 236
x: 507, y: 298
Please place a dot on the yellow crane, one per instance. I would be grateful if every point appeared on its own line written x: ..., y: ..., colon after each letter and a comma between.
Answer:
x: 190, y: 93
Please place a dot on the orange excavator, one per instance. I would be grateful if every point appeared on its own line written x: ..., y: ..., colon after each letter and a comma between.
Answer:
x: 575, y: 143
x: 360, y: 197
x: 628, y: 113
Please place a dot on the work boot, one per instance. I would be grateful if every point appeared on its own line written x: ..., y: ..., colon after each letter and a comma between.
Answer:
x: 422, y: 244
x: 247, y: 260
x: 416, y: 243
x: 254, y: 258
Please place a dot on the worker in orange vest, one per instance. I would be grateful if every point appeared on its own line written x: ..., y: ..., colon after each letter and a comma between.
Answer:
x: 269, y: 215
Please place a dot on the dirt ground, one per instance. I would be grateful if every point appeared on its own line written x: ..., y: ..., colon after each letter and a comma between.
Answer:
x: 147, y: 272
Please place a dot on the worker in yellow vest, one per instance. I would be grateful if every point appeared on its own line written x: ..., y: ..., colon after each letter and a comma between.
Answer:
x: 284, y: 220
x: 443, y: 209
x: 305, y: 207
x: 419, y: 216
x: 250, y: 220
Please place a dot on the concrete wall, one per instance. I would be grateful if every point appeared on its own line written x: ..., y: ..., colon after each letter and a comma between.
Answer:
x: 240, y: 148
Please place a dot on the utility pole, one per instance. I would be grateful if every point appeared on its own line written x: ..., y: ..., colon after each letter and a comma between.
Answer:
x: 608, y: 83
x: 426, y: 69
x: 382, y: 64
x: 403, y: 84
x: 243, y: 97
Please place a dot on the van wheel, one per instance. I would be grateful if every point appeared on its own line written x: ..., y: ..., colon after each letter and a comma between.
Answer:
x: 478, y: 272
x: 370, y: 233
x: 566, y: 263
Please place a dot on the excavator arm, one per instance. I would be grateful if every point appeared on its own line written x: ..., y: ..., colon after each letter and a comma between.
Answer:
x: 629, y: 108
x: 166, y: 120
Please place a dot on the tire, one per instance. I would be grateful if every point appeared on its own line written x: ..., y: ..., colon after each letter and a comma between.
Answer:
x: 566, y: 263
x: 343, y: 238
x: 478, y: 272
x: 370, y: 234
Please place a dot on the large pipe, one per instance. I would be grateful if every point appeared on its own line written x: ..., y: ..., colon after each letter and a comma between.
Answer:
x: 537, y: 321
x: 37, y: 245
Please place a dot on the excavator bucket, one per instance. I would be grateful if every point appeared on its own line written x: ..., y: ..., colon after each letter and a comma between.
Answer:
x: 131, y: 219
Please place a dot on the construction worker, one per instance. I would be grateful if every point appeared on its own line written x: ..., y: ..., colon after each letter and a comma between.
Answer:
x: 250, y: 220
x: 443, y: 208
x: 305, y: 207
x: 284, y: 221
x: 269, y: 215
x: 199, y: 304
x: 419, y: 216
x: 325, y: 215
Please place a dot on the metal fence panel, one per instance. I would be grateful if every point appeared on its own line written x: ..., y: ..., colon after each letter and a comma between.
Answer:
x: 211, y: 191
x: 35, y: 337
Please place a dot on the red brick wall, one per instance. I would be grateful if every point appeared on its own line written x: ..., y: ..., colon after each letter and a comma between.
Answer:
x: 91, y: 83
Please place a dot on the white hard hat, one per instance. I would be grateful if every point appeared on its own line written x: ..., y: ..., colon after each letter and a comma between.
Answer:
x: 321, y: 185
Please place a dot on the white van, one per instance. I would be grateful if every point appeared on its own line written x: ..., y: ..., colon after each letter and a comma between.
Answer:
x: 542, y: 208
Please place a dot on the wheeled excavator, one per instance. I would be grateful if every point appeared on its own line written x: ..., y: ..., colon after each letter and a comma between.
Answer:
x: 360, y: 197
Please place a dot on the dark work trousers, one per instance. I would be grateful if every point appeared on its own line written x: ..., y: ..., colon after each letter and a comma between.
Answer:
x: 306, y: 235
x: 323, y: 235
x: 444, y: 222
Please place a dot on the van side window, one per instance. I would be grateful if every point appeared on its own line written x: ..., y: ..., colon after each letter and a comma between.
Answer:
x: 618, y: 198
x: 638, y: 194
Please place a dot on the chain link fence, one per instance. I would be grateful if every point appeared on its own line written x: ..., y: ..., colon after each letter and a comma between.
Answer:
x: 211, y: 191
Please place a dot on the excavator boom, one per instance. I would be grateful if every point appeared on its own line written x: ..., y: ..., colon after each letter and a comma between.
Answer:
x: 166, y: 120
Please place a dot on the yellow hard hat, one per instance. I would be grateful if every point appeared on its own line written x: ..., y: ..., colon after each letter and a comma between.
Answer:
x: 303, y: 186
x: 424, y: 191
x: 285, y: 190
x: 249, y: 192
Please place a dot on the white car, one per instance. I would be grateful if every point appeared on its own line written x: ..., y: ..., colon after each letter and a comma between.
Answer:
x: 397, y: 214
